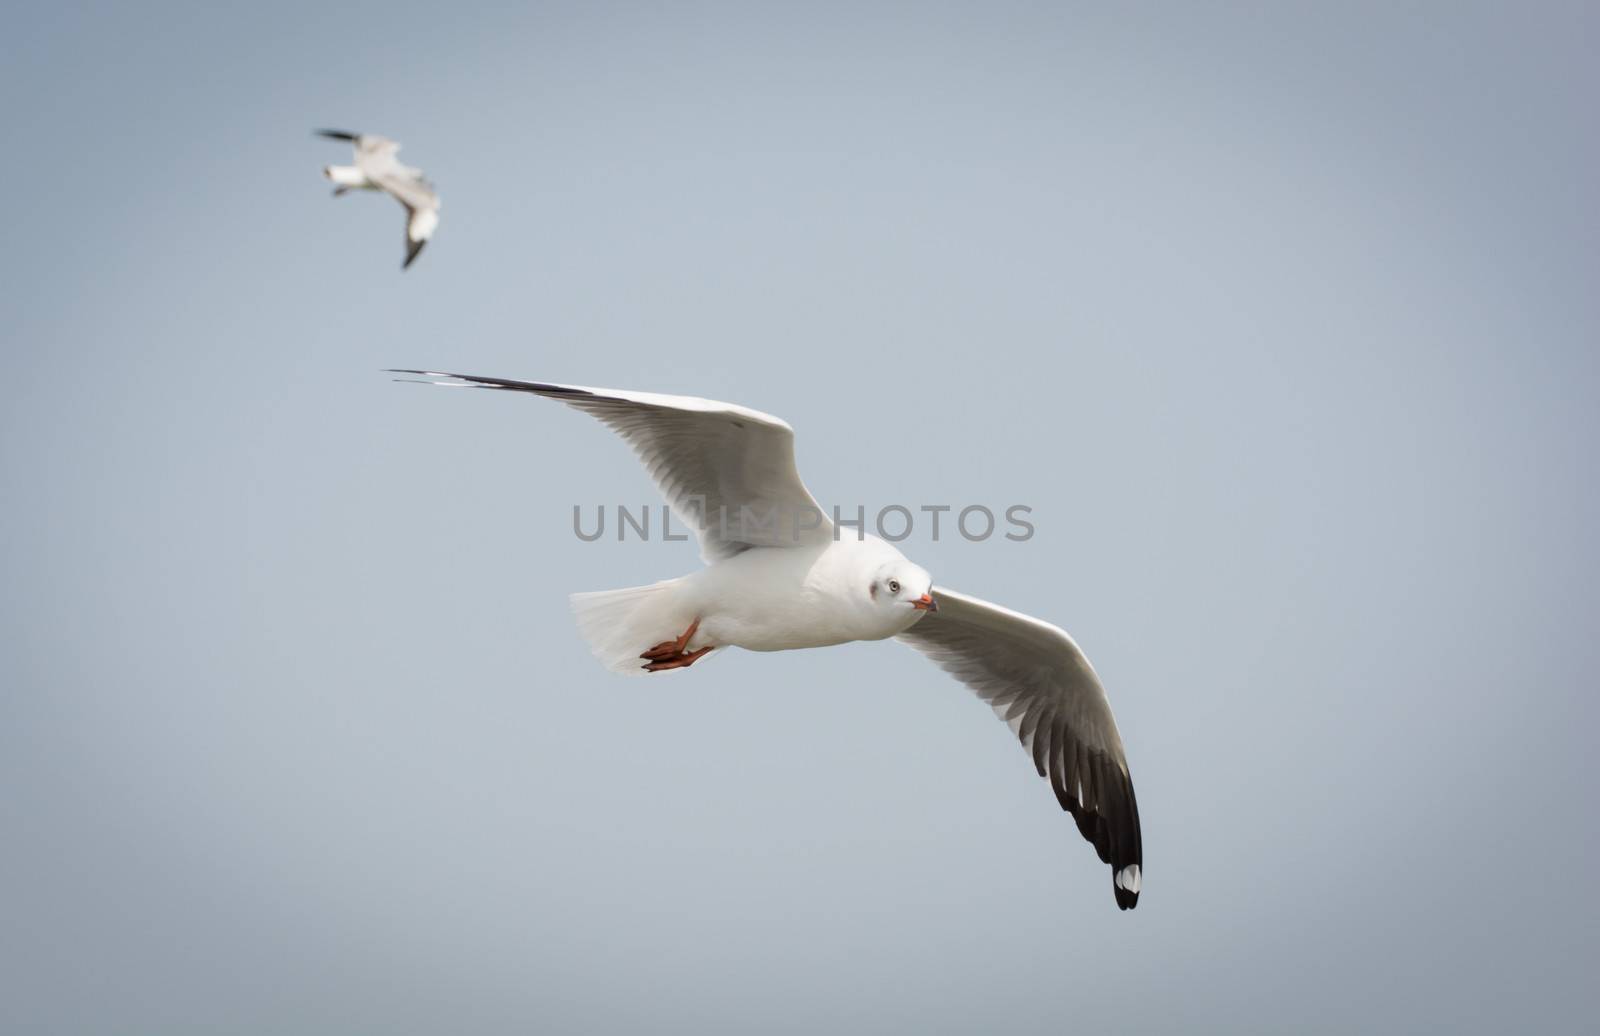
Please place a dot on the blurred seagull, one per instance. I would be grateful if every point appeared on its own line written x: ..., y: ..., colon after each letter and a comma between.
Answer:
x: 377, y: 169
x: 779, y: 577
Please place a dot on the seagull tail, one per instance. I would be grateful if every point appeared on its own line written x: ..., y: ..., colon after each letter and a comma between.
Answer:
x: 621, y: 624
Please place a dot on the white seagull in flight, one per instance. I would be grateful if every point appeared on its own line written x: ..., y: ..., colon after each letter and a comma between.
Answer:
x: 377, y: 169
x: 776, y: 585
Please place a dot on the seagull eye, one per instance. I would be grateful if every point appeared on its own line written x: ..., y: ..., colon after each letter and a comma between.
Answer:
x: 894, y: 587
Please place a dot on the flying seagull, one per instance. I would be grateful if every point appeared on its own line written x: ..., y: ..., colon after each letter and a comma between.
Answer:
x: 778, y: 577
x: 377, y: 169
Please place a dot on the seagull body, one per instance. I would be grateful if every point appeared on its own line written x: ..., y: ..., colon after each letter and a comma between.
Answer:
x: 773, y: 599
x: 377, y: 169
x: 780, y: 577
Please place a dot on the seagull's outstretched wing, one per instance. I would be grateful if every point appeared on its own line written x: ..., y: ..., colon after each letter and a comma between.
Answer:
x: 727, y: 471
x: 421, y: 204
x: 375, y: 154
x: 375, y: 157
x: 1035, y: 678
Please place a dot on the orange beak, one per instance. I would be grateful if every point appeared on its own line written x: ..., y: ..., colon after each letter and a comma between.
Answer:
x: 925, y: 603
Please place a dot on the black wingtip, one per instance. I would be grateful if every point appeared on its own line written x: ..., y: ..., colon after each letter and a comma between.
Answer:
x: 1125, y: 882
x: 335, y: 134
x: 477, y: 381
x: 413, y: 248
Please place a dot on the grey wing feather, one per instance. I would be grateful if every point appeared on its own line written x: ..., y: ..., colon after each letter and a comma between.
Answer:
x: 375, y: 151
x: 421, y: 203
x: 708, y: 459
x: 409, y: 190
x: 1036, y: 679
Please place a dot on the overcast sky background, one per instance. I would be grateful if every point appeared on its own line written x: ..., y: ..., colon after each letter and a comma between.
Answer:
x: 1281, y: 318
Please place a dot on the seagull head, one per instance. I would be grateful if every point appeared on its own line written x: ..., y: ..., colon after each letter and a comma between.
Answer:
x: 900, y: 585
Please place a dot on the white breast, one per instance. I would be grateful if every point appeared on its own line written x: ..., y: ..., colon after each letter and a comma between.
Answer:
x: 777, y: 599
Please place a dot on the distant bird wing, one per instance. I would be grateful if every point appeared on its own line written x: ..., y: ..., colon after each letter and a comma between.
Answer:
x: 727, y: 471
x: 375, y: 155
x: 421, y: 203
x: 1036, y: 679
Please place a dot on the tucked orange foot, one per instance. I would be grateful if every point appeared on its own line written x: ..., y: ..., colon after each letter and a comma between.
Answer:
x: 670, y: 654
x: 680, y: 662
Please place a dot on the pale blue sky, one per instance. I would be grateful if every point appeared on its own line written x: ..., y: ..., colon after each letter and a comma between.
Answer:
x: 1281, y: 317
